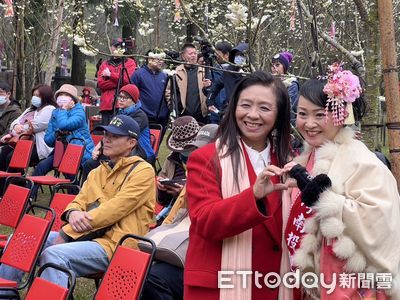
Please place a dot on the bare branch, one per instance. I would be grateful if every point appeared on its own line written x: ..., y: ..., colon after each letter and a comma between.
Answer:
x: 357, y: 65
x: 187, y: 14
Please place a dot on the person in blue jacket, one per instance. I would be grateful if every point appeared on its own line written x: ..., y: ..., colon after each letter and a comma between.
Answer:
x: 68, y: 122
x: 228, y: 80
x: 152, y: 84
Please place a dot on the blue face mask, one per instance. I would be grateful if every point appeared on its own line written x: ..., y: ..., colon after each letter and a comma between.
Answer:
x: 3, y: 100
x: 240, y: 60
x: 36, y: 101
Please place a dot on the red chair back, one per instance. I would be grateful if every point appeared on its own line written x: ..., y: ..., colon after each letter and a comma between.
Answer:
x: 13, y: 204
x: 71, y: 159
x: 21, y: 155
x: 45, y: 290
x: 126, y: 273
x: 26, y: 243
x: 42, y: 289
x: 155, y: 139
x: 96, y: 138
x: 59, y: 149
x: 58, y: 204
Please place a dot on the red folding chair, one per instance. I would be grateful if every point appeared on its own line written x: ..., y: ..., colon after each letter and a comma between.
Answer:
x: 24, y: 248
x: 70, y: 164
x: 59, y: 201
x: 155, y: 136
x: 19, y: 159
x: 13, y: 204
x: 41, y: 289
x: 127, y: 272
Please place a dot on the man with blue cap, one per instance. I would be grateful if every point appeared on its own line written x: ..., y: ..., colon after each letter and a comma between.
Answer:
x: 117, y: 198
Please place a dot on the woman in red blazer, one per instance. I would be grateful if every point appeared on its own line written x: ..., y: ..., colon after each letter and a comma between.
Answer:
x: 234, y: 195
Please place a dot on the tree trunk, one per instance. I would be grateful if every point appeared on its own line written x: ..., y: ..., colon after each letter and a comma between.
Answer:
x: 372, y: 79
x: 389, y: 58
x: 78, y: 68
x: 191, y: 31
x: 16, y: 51
x: 55, y: 37
x: 157, y: 27
x: 130, y: 33
x: 21, y: 91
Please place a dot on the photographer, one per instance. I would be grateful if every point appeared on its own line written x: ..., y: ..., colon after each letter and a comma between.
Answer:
x: 108, y: 77
x: 191, y: 81
x: 222, y: 50
x: 228, y: 80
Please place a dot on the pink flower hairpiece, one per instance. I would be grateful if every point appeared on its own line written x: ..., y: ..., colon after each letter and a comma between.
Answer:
x: 343, y: 88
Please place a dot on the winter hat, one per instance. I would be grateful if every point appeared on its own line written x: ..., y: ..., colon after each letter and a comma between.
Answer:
x: 86, y: 89
x: 132, y: 91
x: 285, y: 58
x: 70, y: 90
x: 241, y: 48
x: 184, y: 132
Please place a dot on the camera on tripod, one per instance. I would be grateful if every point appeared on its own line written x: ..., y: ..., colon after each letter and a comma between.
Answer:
x: 206, y: 50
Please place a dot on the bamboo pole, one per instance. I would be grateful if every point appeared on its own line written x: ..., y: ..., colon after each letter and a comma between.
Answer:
x: 391, y: 79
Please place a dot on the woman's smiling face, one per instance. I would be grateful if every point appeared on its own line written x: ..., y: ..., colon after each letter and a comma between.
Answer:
x: 313, y: 124
x: 256, y: 113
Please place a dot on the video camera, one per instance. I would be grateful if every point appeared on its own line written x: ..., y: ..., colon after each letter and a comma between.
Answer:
x: 206, y: 50
x: 125, y: 43
x: 173, y: 54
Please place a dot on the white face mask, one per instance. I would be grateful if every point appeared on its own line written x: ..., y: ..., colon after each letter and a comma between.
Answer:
x: 240, y: 60
x: 36, y: 101
x: 3, y: 100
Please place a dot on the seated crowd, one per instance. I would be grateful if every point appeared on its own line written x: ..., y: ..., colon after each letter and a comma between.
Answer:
x: 234, y: 190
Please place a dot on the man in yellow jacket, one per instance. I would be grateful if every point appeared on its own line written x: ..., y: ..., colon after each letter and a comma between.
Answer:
x: 117, y: 198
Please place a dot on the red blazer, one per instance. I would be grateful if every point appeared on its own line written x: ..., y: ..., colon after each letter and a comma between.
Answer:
x: 214, y: 219
x: 108, y: 85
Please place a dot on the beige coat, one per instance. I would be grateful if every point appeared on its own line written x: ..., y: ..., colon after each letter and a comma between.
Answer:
x: 127, y: 207
x: 180, y: 202
x: 360, y: 212
x: 182, y: 85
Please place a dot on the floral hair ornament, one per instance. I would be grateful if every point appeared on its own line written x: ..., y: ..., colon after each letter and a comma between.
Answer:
x: 343, y: 88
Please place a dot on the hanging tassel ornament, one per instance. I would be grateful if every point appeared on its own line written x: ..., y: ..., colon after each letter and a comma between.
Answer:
x: 177, y: 17
x: 293, y: 16
x: 9, y: 9
x: 116, y: 24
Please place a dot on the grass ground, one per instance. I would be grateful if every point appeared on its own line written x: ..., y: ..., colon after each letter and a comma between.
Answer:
x: 85, y: 288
